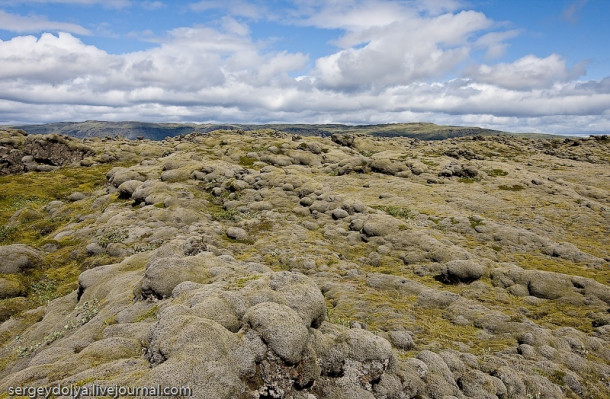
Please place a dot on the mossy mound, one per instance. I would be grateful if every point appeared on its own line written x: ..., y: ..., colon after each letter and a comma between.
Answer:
x: 263, y: 264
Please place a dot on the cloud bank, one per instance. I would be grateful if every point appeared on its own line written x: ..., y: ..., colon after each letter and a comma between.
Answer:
x: 395, y: 62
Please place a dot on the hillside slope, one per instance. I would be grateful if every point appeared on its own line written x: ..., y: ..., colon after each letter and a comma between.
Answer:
x: 262, y: 264
x: 158, y: 131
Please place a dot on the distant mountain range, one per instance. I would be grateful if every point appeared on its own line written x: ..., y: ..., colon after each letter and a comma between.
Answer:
x: 158, y: 131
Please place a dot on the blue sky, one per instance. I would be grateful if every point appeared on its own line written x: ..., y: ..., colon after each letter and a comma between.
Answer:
x: 512, y: 65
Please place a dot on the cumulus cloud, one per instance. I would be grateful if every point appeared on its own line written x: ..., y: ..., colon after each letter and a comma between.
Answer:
x: 351, y: 15
x: 35, y: 23
x: 529, y: 72
x: 394, y: 43
x: 398, y: 65
x: 50, y: 59
x: 401, y: 52
x: 63, y: 69
x: 495, y: 43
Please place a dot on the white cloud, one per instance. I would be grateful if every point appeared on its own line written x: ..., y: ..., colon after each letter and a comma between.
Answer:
x: 435, y: 7
x: 106, y: 3
x: 235, y: 8
x: 152, y: 5
x: 398, y: 65
x: 352, y: 15
x: 407, y: 50
x: 570, y: 13
x: 50, y: 59
x: 35, y: 23
x: 529, y: 72
x: 495, y: 42
x: 231, y: 25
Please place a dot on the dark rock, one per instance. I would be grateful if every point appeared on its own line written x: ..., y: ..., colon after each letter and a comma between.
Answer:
x: 346, y: 140
x: 41, y: 152
x: 461, y: 271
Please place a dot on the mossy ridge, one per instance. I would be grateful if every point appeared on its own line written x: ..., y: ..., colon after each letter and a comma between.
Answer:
x: 430, y: 328
x: 375, y: 307
x: 538, y: 261
x: 35, y: 189
x: 396, y: 211
x: 32, y: 191
x: 441, y: 333
x: 150, y: 314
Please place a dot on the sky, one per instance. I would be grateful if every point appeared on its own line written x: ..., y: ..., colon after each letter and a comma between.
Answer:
x: 519, y: 65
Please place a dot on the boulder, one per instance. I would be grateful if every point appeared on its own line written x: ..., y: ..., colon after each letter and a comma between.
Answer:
x: 17, y: 258
x: 77, y: 196
x: 401, y: 340
x: 280, y: 327
x: 163, y: 274
x: 458, y: 170
x: 127, y: 188
x: 346, y: 140
x: 119, y: 175
x: 10, y: 288
x: 549, y: 285
x: 387, y: 166
x: 237, y: 233
x: 461, y: 271
x: 339, y: 214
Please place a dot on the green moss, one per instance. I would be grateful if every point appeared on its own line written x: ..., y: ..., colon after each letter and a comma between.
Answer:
x: 475, y: 222
x: 145, y: 247
x: 7, y: 234
x: 29, y: 192
x: 514, y: 187
x: 259, y: 226
x: 35, y: 189
x: 246, y: 161
x: 448, y: 335
x: 12, y: 306
x: 469, y: 180
x: 112, y: 237
x: 225, y: 214
x: 396, y: 211
x: 43, y: 289
x: 429, y: 162
x: 243, y: 281
x: 496, y: 172
x: 85, y: 381
x: 148, y: 315
x: 538, y: 261
x: 367, y: 153
x: 84, y: 314
x: 557, y: 377
x: 110, y: 321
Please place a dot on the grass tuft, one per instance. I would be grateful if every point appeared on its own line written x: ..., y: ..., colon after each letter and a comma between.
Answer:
x: 396, y: 211
x: 514, y: 187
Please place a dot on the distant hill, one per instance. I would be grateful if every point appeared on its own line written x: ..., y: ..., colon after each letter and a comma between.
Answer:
x: 158, y: 131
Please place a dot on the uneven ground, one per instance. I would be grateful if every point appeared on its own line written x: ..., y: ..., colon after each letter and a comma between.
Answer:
x: 268, y: 265
x: 158, y: 131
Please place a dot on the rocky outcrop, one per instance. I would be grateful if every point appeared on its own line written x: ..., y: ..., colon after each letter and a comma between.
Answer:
x: 25, y: 153
x: 264, y: 265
